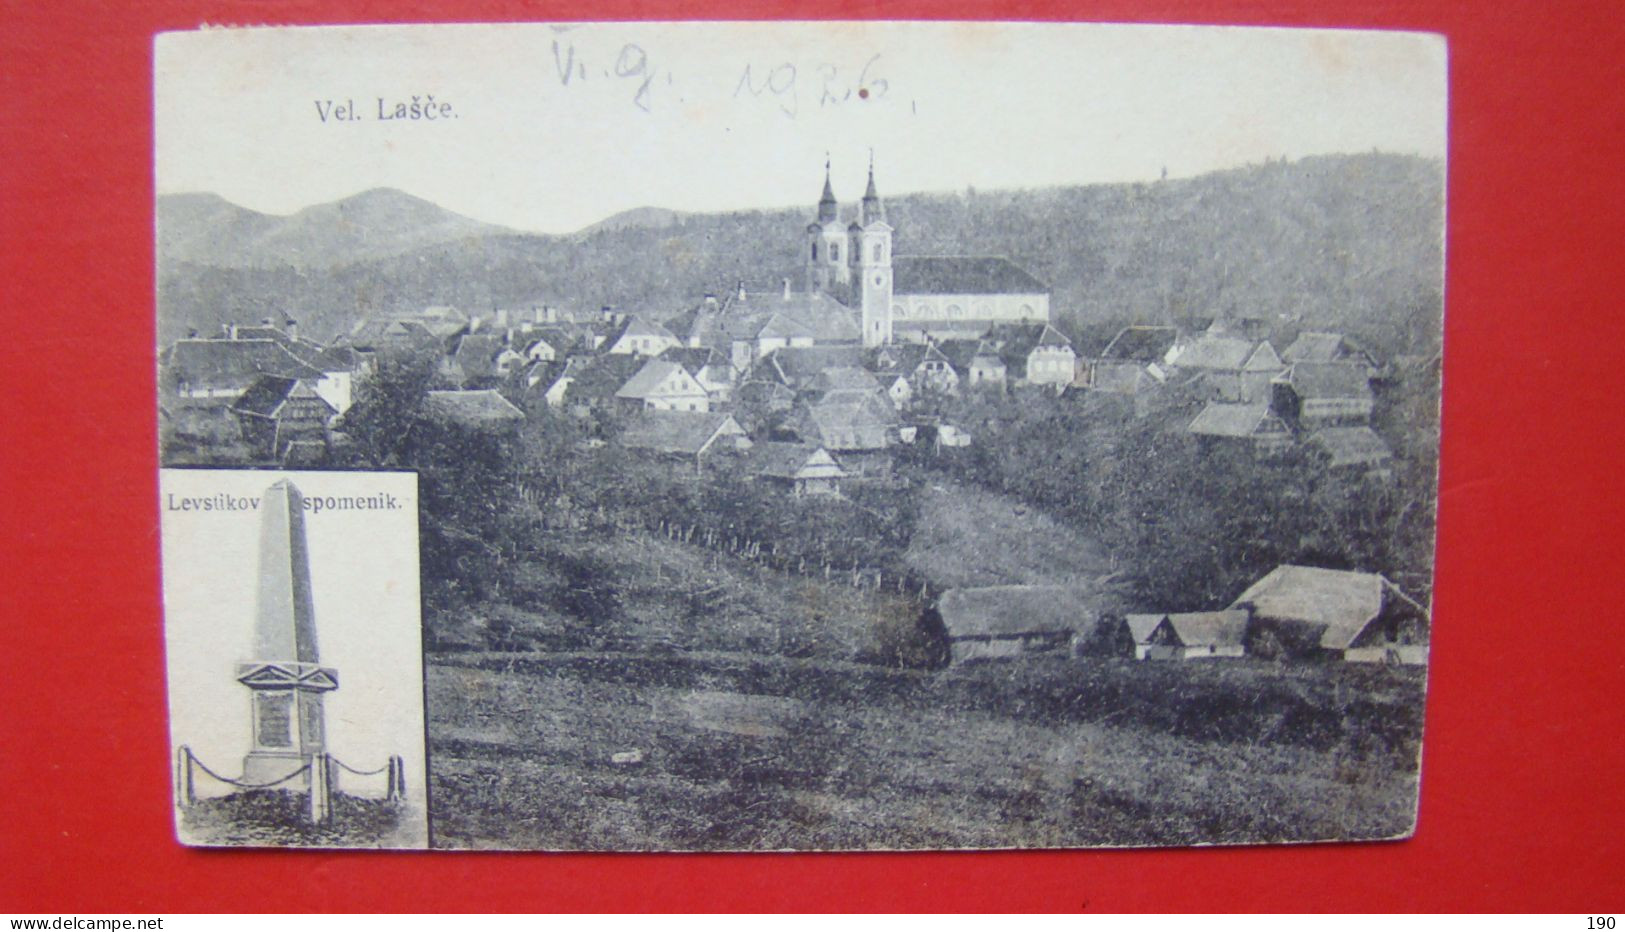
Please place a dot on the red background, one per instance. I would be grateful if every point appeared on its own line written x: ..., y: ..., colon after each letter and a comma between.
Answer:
x: 1521, y: 790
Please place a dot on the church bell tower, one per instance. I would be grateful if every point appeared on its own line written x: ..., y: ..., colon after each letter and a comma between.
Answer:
x: 872, y: 240
x: 828, y: 264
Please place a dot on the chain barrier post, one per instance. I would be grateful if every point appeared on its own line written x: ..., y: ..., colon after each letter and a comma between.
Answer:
x: 321, y: 798
x: 185, y: 791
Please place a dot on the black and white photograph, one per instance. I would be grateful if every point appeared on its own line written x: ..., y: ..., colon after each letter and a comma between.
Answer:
x: 295, y: 658
x: 799, y: 436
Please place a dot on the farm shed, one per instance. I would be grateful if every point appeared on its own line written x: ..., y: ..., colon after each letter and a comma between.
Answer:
x: 1337, y: 614
x: 1323, y: 394
x: 483, y: 409
x: 1188, y: 635
x: 690, y: 434
x: 1254, y: 424
x: 1352, y: 447
x: 1005, y: 621
x: 803, y: 468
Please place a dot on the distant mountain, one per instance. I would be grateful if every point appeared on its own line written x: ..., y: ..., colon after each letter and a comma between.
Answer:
x: 205, y: 229
x: 650, y: 218
x: 1352, y: 242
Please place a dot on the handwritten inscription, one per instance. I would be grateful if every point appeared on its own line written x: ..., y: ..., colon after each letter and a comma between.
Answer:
x: 824, y: 85
x: 791, y: 87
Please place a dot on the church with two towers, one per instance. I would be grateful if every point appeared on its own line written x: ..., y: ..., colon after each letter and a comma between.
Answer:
x: 911, y: 299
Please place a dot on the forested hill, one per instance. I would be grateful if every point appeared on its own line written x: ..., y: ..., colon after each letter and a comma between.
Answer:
x: 1352, y: 242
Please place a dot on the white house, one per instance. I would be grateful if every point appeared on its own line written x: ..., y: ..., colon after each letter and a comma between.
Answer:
x: 1188, y: 635
x: 662, y: 385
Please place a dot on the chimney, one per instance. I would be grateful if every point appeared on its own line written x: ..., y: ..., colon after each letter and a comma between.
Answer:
x: 710, y: 300
x: 265, y: 322
x: 549, y: 314
x: 787, y: 289
x: 502, y: 318
x: 231, y: 331
x: 191, y: 333
x: 507, y: 338
x: 291, y: 328
x: 741, y: 290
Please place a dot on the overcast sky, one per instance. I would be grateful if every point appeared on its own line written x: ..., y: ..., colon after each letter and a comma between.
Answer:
x: 706, y: 117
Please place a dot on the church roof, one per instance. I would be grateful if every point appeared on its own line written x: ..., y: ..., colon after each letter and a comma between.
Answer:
x: 827, y: 206
x: 962, y: 275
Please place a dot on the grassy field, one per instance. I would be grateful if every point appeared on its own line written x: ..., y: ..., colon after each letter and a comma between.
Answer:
x: 741, y: 751
x: 968, y: 536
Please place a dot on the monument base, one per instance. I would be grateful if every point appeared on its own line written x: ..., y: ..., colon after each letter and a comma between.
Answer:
x: 262, y: 767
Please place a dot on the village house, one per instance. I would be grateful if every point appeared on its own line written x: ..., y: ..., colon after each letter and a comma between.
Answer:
x: 636, y: 335
x: 480, y: 360
x: 1006, y: 621
x: 1315, y: 346
x: 1323, y: 394
x: 751, y: 324
x: 1254, y: 424
x: 480, y: 409
x: 976, y: 363
x: 691, y: 435
x: 1188, y: 635
x: 593, y: 382
x: 275, y: 412
x: 1136, y: 360
x: 896, y: 388
x: 549, y: 381
x: 388, y: 333
x: 800, y: 468
x: 1339, y: 614
x: 217, y: 372
x: 1036, y: 355
x: 548, y: 344
x: 841, y: 379
x: 931, y: 371
x: 708, y: 367
x: 846, y: 421
x: 339, y: 366
x: 1353, y: 448
x: 1236, y: 369
x: 662, y: 385
x: 799, y: 367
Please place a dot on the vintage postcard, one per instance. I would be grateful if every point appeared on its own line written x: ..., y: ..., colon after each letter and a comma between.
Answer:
x: 295, y: 647
x: 798, y: 435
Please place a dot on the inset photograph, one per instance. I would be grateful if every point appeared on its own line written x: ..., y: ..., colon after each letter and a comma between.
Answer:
x: 294, y: 645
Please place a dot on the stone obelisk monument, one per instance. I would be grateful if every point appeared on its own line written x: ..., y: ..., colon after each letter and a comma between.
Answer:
x: 286, y: 680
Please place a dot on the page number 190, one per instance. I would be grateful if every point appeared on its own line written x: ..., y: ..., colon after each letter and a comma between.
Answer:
x: 1600, y: 922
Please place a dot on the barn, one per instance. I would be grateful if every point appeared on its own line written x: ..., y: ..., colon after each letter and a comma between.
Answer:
x: 1337, y: 614
x: 1007, y: 621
